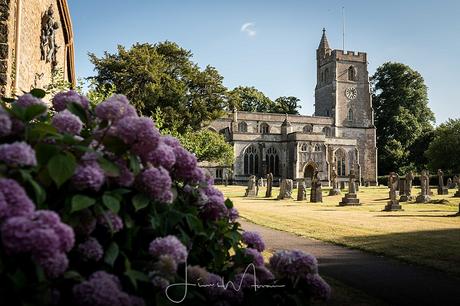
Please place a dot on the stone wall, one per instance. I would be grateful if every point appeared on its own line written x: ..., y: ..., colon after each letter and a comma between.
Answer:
x: 21, y: 64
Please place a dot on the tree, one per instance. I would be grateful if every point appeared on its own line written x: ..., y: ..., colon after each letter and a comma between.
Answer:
x: 205, y: 144
x: 287, y: 105
x: 444, y: 150
x: 250, y: 99
x: 402, y: 114
x: 163, y: 76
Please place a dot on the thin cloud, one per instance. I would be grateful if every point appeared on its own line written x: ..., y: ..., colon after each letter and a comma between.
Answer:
x: 249, y: 29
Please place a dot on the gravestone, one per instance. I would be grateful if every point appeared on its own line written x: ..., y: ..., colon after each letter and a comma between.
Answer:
x: 455, y: 181
x: 407, y: 195
x: 268, y: 192
x: 393, y: 182
x: 285, y: 189
x: 252, y: 189
x: 424, y: 195
x: 316, y: 195
x: 335, y: 184
x: 442, y: 190
x: 350, y: 198
x: 301, y: 191
x: 457, y: 194
x: 451, y: 184
x: 226, y: 179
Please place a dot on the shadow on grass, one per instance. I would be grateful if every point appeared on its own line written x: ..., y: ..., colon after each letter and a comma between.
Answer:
x: 415, y: 216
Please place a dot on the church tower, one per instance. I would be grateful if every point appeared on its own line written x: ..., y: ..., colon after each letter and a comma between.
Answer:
x: 343, y: 93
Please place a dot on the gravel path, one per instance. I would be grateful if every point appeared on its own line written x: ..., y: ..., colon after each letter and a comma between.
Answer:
x: 392, y: 281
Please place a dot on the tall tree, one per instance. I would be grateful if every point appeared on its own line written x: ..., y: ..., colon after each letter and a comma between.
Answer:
x: 249, y: 99
x: 402, y: 114
x: 163, y: 76
x: 287, y: 105
x: 444, y: 150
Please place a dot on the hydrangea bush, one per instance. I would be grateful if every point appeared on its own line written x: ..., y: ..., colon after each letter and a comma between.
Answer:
x: 97, y: 208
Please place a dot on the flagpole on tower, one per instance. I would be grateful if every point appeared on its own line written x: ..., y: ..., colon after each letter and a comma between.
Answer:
x: 343, y: 28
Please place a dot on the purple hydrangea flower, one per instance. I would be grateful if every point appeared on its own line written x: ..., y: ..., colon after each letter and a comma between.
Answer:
x: 214, y: 207
x: 111, y: 221
x: 90, y: 250
x: 171, y: 141
x: 27, y: 100
x: 264, y: 275
x: 66, y: 122
x: 102, y: 289
x: 215, y: 286
x: 17, y: 154
x: 160, y: 282
x: 166, y: 266
x: 5, y: 123
x: 196, y: 274
x: 140, y: 133
x: 17, y: 126
x: 54, y: 265
x: 115, y: 108
x: 170, y: 246
x: 293, y: 264
x: 126, y: 177
x: 88, y: 176
x: 60, y: 100
x: 255, y: 256
x: 41, y: 234
x: 14, y: 200
x: 186, y: 166
x: 156, y: 182
x: 253, y: 240
x: 162, y: 156
x: 233, y: 214
x: 244, y: 280
x: 319, y: 288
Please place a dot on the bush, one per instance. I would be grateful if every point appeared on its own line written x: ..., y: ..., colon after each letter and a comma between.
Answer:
x: 96, y: 208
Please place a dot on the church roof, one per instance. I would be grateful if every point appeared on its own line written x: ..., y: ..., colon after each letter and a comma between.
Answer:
x: 324, y: 44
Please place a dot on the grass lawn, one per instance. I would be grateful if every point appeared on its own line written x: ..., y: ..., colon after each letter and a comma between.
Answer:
x: 426, y: 234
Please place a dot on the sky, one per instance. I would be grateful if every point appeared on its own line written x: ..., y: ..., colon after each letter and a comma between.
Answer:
x: 271, y: 45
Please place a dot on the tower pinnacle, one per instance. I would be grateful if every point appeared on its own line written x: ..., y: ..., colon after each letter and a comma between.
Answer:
x: 324, y: 44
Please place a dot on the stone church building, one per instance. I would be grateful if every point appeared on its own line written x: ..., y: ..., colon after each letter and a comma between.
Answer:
x: 36, y: 45
x: 340, y: 134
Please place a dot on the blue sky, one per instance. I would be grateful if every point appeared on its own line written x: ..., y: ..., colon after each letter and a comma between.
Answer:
x: 276, y: 51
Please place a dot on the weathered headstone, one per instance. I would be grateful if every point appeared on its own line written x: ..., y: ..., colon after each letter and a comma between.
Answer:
x: 407, y: 195
x: 393, y: 182
x: 350, y: 198
x: 455, y: 181
x: 268, y: 193
x: 451, y: 184
x: 424, y: 195
x: 286, y: 189
x: 316, y: 195
x: 252, y: 189
x: 457, y: 194
x: 301, y: 191
x: 441, y: 188
x: 335, y: 184
x: 226, y: 179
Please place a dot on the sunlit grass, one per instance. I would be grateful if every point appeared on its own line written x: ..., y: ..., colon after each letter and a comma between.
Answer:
x: 423, y: 233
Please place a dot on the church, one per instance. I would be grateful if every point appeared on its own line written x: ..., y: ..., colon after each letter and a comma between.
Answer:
x: 339, y: 136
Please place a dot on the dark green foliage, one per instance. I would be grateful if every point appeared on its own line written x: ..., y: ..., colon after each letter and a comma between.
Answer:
x: 163, y: 76
x: 402, y: 115
x: 444, y: 150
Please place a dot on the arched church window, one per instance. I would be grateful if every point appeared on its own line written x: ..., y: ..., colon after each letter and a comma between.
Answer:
x: 264, y: 128
x: 317, y: 148
x: 242, y: 127
x: 340, y: 162
x: 351, y: 73
x: 251, y: 161
x: 273, y: 161
x: 327, y: 131
x: 326, y: 75
x: 304, y: 147
x: 350, y: 115
x: 308, y: 128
